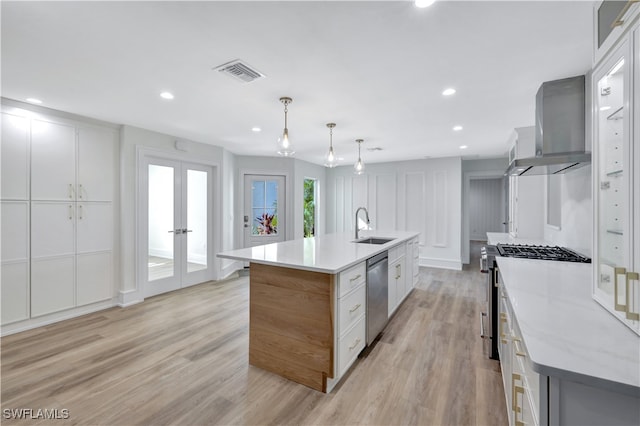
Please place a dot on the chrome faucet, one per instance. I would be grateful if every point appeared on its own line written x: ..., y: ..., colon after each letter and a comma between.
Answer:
x: 367, y: 215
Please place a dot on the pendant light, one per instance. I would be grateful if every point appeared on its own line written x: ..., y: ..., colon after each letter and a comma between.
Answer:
x: 358, y: 168
x: 330, y: 160
x: 285, y: 148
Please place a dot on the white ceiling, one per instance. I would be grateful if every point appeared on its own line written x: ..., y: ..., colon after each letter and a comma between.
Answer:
x: 377, y: 69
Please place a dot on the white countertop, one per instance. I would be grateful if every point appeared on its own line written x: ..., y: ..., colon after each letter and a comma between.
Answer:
x: 566, y: 332
x: 494, y: 238
x: 329, y: 253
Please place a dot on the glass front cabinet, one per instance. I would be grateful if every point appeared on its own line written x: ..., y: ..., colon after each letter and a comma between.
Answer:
x: 616, y: 171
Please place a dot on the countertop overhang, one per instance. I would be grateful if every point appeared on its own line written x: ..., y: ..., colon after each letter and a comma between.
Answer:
x: 328, y: 253
x: 565, y: 331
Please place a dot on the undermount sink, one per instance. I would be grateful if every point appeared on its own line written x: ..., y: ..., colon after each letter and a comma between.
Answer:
x: 374, y: 240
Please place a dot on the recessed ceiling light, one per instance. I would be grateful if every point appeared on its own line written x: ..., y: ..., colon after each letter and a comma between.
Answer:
x: 256, y: 129
x: 463, y: 147
x: 33, y: 100
x: 457, y: 128
x: 448, y: 92
x: 605, y: 108
x: 166, y: 95
x: 424, y: 3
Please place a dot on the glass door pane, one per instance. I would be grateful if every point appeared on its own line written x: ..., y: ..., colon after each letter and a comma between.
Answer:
x: 161, y: 262
x: 612, y: 122
x: 196, y: 233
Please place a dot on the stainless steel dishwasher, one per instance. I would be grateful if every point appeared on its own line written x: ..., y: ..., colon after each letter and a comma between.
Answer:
x: 377, y: 295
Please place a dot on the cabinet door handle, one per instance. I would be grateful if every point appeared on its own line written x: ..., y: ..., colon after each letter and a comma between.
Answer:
x: 70, y: 212
x: 80, y: 191
x: 503, y: 336
x: 80, y: 216
x: 619, y: 21
x: 71, y: 191
x: 354, y: 344
x: 631, y: 276
x: 355, y: 308
x: 357, y: 277
x: 618, y: 271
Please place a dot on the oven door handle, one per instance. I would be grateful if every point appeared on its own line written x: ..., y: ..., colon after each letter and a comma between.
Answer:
x: 482, y: 317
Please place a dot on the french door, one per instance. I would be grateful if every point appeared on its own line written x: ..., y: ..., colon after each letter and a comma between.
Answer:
x: 264, y: 205
x: 178, y: 243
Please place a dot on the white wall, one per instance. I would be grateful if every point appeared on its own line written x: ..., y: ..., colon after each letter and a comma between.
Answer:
x: 421, y: 195
x: 485, y: 207
x: 576, y: 228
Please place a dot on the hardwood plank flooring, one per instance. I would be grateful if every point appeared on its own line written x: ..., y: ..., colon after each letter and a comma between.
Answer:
x: 182, y: 358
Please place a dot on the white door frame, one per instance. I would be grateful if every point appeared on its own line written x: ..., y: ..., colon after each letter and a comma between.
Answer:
x: 143, y: 155
x: 468, y: 177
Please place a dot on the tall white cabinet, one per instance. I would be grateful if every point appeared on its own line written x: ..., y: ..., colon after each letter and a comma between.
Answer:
x: 58, y: 191
x: 616, y: 170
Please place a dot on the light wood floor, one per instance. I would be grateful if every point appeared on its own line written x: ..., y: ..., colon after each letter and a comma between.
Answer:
x: 181, y: 358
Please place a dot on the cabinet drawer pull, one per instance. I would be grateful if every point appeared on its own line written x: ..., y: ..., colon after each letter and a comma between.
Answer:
x: 631, y: 276
x: 618, y: 306
x: 357, y: 277
x: 503, y: 336
x: 355, y: 308
x: 518, y: 351
x: 354, y: 344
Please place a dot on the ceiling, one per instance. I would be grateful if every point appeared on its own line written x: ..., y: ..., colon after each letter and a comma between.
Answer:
x: 377, y: 69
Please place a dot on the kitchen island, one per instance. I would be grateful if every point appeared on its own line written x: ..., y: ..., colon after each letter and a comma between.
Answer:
x: 307, y: 303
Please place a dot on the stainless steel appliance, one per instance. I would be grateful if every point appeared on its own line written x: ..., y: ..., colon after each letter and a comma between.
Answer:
x: 489, y: 315
x: 377, y: 295
x: 559, y: 131
x: 489, y: 266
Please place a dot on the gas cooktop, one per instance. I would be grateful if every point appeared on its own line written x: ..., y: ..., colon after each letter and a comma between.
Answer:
x: 541, y: 252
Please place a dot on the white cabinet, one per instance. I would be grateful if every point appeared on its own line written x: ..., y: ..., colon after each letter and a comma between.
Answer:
x: 616, y: 168
x: 53, y: 161
x: 413, y: 258
x: 64, y: 173
x: 611, y: 19
x: 351, y: 317
x: 15, y: 157
x: 399, y: 285
x: 15, y: 260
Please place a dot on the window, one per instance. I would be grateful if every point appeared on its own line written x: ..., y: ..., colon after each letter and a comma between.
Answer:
x: 309, y: 208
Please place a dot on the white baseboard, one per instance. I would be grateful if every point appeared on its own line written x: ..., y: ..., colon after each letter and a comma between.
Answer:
x: 441, y: 263
x: 230, y: 269
x: 31, y: 323
x: 128, y: 298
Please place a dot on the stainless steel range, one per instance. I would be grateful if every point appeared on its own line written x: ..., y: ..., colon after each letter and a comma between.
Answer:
x: 489, y: 266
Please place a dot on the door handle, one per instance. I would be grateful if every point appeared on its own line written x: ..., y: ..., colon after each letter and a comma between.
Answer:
x: 177, y: 231
x: 185, y: 230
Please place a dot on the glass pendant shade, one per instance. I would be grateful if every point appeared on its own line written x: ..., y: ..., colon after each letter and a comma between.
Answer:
x: 358, y: 168
x: 285, y: 147
x: 330, y: 159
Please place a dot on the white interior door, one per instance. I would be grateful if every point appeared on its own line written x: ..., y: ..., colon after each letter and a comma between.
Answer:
x: 179, y: 226
x: 264, y: 210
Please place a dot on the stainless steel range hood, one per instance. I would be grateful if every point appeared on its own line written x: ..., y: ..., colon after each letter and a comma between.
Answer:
x: 559, y: 130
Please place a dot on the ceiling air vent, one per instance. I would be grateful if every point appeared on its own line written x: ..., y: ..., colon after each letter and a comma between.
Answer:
x: 240, y: 71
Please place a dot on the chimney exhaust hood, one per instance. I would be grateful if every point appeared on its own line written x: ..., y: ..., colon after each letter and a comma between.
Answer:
x: 559, y: 130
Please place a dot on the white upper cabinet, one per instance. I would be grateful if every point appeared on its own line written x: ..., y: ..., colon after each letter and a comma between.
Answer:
x: 15, y: 157
x: 616, y: 208
x: 53, y: 161
x: 96, y: 151
x: 611, y: 20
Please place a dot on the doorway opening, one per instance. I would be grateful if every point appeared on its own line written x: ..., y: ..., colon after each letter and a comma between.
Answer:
x: 309, y: 207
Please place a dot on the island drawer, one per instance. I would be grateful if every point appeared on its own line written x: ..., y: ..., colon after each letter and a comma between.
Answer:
x: 351, y: 278
x: 397, y: 252
x: 351, y: 308
x: 350, y: 345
